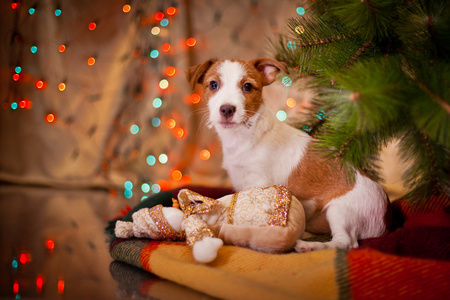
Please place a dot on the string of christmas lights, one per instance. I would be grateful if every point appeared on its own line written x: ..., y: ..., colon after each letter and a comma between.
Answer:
x: 154, y: 53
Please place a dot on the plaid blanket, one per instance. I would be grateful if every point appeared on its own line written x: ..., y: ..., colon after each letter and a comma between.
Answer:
x: 412, y: 262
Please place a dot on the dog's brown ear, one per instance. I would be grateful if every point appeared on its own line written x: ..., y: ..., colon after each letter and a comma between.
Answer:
x: 269, y: 67
x: 196, y: 74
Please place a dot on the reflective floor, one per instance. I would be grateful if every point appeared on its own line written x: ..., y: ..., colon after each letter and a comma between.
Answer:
x: 53, y: 246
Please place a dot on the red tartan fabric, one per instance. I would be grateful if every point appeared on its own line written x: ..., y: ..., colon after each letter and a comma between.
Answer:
x: 413, y: 262
x: 376, y: 275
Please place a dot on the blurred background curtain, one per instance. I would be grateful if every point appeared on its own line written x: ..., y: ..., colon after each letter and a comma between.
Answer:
x: 94, y: 94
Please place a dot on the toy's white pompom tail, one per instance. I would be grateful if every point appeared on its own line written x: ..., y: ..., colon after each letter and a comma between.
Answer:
x: 205, y: 251
x: 124, y: 229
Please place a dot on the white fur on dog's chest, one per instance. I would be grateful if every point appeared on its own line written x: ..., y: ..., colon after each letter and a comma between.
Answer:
x: 264, y: 155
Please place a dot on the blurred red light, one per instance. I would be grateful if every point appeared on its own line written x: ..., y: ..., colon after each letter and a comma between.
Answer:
x: 191, y: 42
x: 50, y: 118
x: 171, y: 11
x: 39, y: 283
x: 60, y: 286
x: 50, y: 244
x: 165, y: 47
x: 40, y: 84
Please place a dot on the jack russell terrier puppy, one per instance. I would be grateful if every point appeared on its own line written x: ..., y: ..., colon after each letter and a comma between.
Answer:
x: 259, y: 150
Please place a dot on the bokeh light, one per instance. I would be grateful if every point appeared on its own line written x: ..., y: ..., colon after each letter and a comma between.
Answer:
x: 33, y: 49
x: 128, y: 194
x: 154, y: 53
x: 321, y: 115
x: 39, y: 282
x: 164, y: 84
x: 25, y: 104
x: 92, y: 25
x: 176, y: 175
x: 290, y: 102
x: 164, y: 185
x: 50, y: 118
x: 164, y: 22
x: 163, y: 158
x: 281, y: 115
x: 61, y: 286
x: 155, y: 30
x: 61, y: 86
x: 165, y: 47
x: 171, y: 11
x: 16, y: 287
x: 300, y: 10
x: 128, y: 185
x: 171, y: 123
x: 157, y: 102
x: 126, y: 8
x: 40, y: 84
x: 291, y: 45
x: 179, y: 133
x: 134, y: 129
x: 205, y: 154
x: 62, y: 48
x: 299, y: 29
x: 91, y: 61
x: 287, y: 81
x: 50, y: 244
x: 151, y: 160
x: 171, y: 71
x: 145, y: 187
x: 191, y: 42
x: 156, y: 122
x: 195, y: 98
x: 156, y: 188
x: 159, y: 16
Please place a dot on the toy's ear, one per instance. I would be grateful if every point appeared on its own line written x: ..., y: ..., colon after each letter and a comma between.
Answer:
x: 196, y: 73
x: 269, y: 67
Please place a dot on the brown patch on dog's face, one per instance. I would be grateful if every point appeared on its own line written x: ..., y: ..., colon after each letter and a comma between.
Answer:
x: 251, y: 86
x: 195, y: 74
x: 212, y: 74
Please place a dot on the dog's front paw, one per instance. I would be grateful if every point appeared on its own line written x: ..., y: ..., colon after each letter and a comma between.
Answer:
x: 304, y: 247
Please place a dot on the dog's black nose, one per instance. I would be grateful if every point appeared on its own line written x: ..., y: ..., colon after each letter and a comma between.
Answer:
x: 227, y: 110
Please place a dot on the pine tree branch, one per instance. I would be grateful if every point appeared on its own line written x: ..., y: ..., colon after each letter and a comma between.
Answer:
x: 359, y: 53
x: 323, y: 41
x: 436, y: 98
x: 432, y: 164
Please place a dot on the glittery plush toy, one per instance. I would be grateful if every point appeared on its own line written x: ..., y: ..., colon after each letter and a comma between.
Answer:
x: 267, y: 219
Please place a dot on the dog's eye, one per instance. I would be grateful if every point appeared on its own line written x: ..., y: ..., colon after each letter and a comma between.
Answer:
x: 213, y: 85
x: 248, y: 87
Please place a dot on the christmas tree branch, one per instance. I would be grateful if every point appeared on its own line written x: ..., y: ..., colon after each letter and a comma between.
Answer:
x: 436, y: 98
x: 358, y: 53
x: 322, y: 41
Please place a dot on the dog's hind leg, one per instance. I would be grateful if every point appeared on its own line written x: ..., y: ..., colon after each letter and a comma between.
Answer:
x: 340, y: 219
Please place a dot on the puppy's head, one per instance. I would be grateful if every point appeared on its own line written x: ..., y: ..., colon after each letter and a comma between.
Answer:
x: 233, y: 88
